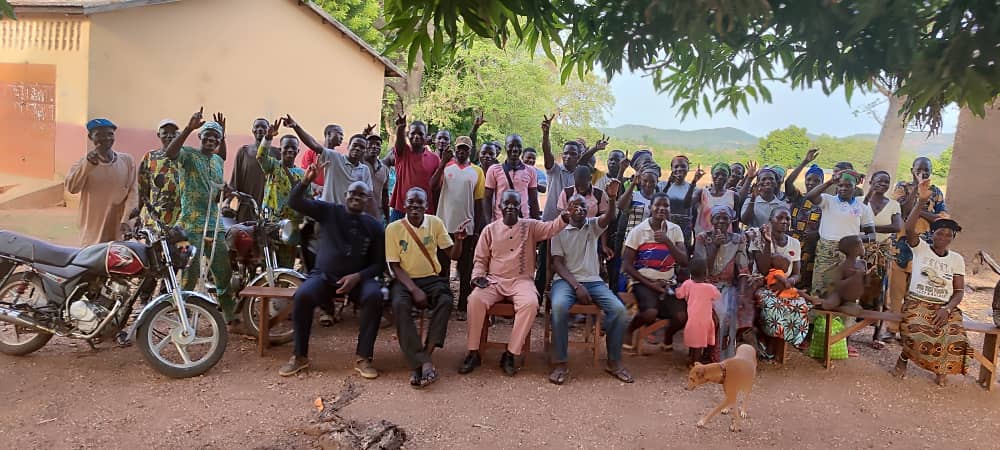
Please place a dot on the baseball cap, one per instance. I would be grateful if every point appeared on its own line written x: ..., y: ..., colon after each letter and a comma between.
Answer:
x: 166, y: 122
x: 463, y: 140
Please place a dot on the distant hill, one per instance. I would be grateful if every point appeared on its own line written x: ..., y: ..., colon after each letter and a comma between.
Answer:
x: 711, y: 139
x: 733, y: 138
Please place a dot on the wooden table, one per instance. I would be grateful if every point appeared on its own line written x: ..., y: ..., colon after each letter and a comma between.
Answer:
x: 266, y: 293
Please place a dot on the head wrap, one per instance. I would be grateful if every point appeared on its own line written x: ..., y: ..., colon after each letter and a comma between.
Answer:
x: 768, y: 169
x: 721, y: 166
x: 719, y: 209
x: 100, y: 122
x: 816, y: 170
x: 945, y: 223
x: 779, y: 171
x: 851, y: 176
x: 638, y: 153
x: 210, y: 126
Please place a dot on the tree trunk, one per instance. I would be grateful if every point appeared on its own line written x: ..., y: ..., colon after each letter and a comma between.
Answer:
x: 890, y: 139
x: 407, y: 91
x: 972, y: 199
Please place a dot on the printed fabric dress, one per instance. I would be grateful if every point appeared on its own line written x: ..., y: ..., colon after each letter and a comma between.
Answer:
x: 728, y: 272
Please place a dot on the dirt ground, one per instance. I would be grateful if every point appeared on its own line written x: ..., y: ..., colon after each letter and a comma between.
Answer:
x: 68, y: 396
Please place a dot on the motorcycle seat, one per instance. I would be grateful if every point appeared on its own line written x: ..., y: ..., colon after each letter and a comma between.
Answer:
x: 35, y: 250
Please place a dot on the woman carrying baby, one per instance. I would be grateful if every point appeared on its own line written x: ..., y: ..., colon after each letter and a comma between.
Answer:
x: 728, y: 269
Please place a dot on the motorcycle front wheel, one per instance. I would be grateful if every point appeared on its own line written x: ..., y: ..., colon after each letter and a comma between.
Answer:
x: 165, y: 346
x: 281, y: 332
x: 17, y: 340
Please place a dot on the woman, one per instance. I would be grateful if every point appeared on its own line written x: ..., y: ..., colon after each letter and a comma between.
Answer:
x: 728, y: 268
x: 805, y: 215
x: 888, y: 222
x: 931, y: 329
x: 843, y: 214
x: 736, y: 173
x: 680, y: 192
x: 652, y: 249
x: 715, y: 195
x: 783, y: 318
x: 634, y: 206
x: 762, y: 200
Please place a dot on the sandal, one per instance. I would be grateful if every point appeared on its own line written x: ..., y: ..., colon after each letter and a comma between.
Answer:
x: 621, y: 374
x: 429, y: 377
x: 667, y: 347
x: 558, y: 375
x: 416, y: 378
x: 852, y: 352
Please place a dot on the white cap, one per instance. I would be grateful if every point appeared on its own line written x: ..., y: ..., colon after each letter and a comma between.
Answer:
x: 166, y: 122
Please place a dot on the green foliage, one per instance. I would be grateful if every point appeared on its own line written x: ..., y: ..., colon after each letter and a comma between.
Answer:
x: 358, y: 15
x: 942, y: 164
x: 513, y: 89
x: 717, y: 55
x: 783, y: 147
x: 6, y: 11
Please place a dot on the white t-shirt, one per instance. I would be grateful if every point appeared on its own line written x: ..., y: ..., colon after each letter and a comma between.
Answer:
x: 932, y: 276
x: 461, y: 187
x: 884, y: 217
x: 792, y: 249
x: 843, y: 218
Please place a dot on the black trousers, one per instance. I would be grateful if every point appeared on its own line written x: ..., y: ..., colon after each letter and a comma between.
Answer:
x: 464, y: 268
x: 318, y: 291
x: 438, y: 304
x: 667, y: 307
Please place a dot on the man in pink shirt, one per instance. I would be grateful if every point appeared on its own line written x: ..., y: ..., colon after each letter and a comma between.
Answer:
x: 514, y: 175
x: 504, y: 268
x: 415, y: 164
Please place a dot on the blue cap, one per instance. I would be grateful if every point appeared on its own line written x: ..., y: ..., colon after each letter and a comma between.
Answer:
x: 214, y: 126
x: 100, y: 122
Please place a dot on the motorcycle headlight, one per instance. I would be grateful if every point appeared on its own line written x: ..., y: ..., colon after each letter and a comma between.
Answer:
x: 286, y: 231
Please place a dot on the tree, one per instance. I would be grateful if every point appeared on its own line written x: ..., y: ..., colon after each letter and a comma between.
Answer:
x: 715, y: 55
x: 6, y: 10
x: 784, y: 147
x: 360, y: 16
x: 942, y: 164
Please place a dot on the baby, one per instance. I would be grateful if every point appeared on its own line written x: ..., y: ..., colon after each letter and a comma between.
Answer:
x: 849, y: 282
x: 777, y: 277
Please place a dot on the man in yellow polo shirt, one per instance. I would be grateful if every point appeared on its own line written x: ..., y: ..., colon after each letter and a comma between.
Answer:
x: 411, y: 247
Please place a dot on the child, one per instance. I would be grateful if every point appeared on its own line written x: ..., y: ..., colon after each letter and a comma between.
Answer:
x: 777, y: 277
x: 699, y: 332
x: 849, y: 283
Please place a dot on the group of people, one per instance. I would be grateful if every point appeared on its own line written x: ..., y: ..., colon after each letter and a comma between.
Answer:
x: 746, y: 255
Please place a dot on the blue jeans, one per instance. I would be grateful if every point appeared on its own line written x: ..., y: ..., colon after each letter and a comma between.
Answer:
x: 615, y: 318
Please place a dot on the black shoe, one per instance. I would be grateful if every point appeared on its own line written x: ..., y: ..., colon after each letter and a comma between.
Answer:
x: 472, y: 360
x: 507, y: 363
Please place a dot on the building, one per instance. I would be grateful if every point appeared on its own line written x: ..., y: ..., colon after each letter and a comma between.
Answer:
x: 137, y: 62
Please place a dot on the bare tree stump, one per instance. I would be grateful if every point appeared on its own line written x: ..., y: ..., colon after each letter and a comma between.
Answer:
x: 334, y: 432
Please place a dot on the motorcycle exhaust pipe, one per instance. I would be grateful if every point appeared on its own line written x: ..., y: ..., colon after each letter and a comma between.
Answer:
x: 17, y: 318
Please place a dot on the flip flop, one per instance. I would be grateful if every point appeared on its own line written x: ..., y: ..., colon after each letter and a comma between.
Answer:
x: 621, y: 374
x: 429, y: 377
x: 416, y: 378
x: 852, y: 352
x: 558, y: 375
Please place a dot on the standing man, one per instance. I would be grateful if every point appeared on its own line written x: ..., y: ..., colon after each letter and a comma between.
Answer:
x: 415, y: 164
x: 615, y: 160
x: 530, y: 157
x: 380, y: 178
x: 162, y: 196
x: 351, y: 254
x: 410, y: 244
x: 512, y: 175
x: 503, y: 269
x: 200, y: 187
x: 463, y: 187
x: 247, y: 176
x: 333, y: 136
x: 106, y: 182
x: 561, y: 175
x: 281, y: 176
x: 578, y: 280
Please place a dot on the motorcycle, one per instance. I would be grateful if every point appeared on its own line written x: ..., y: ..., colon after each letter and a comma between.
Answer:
x: 252, y: 246
x: 89, y: 293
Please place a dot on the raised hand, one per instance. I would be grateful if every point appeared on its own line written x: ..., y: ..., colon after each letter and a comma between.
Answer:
x: 661, y: 234
x: 220, y: 119
x: 400, y: 120
x: 811, y: 155
x: 765, y: 232
x: 289, y: 121
x: 460, y: 233
x: 478, y: 121
x: 751, y: 169
x: 447, y: 154
x: 547, y: 122
x: 602, y: 143
x: 197, y: 119
x: 93, y: 158
x: 272, y: 129
x: 698, y: 174
x: 924, y: 189
x: 613, y: 189
x: 368, y: 130
x: 314, y: 170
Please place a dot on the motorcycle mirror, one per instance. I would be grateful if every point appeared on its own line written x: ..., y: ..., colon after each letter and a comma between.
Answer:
x: 286, y: 229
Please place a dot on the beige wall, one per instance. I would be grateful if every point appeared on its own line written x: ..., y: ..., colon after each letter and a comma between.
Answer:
x: 972, y: 197
x: 247, y: 58
x: 62, y: 41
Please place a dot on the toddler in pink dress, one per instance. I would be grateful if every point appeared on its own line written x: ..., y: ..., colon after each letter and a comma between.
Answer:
x: 699, y: 332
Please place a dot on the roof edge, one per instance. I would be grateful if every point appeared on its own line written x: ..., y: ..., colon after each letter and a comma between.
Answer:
x: 391, y: 70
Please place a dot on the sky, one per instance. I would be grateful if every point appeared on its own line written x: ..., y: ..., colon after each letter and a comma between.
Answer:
x: 637, y: 103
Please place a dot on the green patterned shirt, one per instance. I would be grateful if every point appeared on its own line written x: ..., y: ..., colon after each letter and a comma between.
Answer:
x: 198, y: 173
x: 280, y: 180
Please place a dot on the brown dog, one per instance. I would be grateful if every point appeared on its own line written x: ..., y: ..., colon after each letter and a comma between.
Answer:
x: 735, y: 374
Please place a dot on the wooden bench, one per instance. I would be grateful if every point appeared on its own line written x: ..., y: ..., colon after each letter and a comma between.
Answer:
x: 988, y: 356
x: 867, y: 318
x: 266, y: 293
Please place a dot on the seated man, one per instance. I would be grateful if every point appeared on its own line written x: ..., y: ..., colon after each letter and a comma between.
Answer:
x: 351, y: 254
x: 578, y: 279
x: 504, y: 268
x: 409, y: 245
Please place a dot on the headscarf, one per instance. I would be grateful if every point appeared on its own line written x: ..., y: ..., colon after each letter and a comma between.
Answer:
x: 779, y: 171
x: 816, y: 170
x: 721, y: 166
x: 214, y: 126
x: 851, y: 176
x: 769, y: 169
x: 100, y: 122
x: 945, y: 223
x: 636, y: 155
x: 719, y: 209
